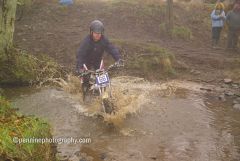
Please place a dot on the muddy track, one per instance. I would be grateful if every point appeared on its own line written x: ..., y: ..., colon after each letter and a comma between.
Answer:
x: 57, y: 31
x: 210, y: 62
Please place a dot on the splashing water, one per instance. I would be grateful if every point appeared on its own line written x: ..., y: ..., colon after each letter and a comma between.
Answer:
x: 128, y: 95
x: 124, y: 98
x: 168, y: 121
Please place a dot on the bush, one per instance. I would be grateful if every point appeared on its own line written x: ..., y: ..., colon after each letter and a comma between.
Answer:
x: 181, y: 32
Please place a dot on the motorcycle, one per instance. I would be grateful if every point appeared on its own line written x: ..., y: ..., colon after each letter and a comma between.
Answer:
x: 98, y: 84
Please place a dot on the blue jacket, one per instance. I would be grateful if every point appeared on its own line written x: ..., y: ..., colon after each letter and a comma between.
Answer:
x: 217, y: 21
x: 91, y: 52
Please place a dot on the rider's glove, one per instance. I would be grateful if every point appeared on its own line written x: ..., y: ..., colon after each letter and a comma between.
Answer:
x: 80, y: 71
x: 119, y: 63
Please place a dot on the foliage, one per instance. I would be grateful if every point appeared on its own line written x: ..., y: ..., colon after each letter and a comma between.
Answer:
x: 22, y: 68
x: 162, y: 28
x: 16, y: 125
x: 147, y: 60
x: 24, y: 2
x: 181, y: 32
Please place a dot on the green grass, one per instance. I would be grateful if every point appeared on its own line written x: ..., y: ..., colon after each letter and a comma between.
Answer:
x: 147, y: 60
x: 16, y: 125
x: 151, y: 10
x: 24, y: 2
x: 181, y: 32
x: 24, y: 68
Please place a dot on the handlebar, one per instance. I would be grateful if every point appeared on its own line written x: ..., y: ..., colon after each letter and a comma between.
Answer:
x: 113, y: 66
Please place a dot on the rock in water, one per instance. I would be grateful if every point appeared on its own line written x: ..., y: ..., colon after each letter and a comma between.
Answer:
x: 236, y: 106
x: 229, y: 93
x: 227, y: 81
x: 222, y: 97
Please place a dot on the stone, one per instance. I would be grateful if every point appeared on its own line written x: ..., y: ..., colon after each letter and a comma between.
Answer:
x: 84, y: 155
x: 83, y: 159
x: 196, y: 72
x: 62, y: 157
x: 222, y: 97
x: 229, y: 93
x: 236, y: 106
x: 236, y: 86
x: 89, y: 158
x: 206, y: 89
x: 238, y: 95
x: 103, y: 156
x: 235, y: 102
x: 74, y: 158
x: 224, y: 86
x: 126, y: 91
x: 153, y: 157
x: 77, y: 153
x: 227, y: 80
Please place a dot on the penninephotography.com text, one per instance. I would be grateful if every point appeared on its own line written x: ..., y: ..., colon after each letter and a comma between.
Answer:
x: 67, y: 140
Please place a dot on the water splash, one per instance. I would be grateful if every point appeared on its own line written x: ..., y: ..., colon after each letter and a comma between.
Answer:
x: 125, y: 99
x: 129, y: 94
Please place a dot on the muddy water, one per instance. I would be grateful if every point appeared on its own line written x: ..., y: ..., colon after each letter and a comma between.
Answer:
x: 167, y: 122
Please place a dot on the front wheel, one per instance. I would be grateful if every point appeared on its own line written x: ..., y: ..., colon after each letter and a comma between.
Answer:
x: 108, y: 106
x: 85, y: 92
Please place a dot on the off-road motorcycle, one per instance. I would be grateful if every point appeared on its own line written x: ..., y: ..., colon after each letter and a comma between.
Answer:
x: 97, y: 83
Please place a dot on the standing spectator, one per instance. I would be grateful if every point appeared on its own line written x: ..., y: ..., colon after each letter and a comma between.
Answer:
x: 218, y: 17
x: 233, y: 21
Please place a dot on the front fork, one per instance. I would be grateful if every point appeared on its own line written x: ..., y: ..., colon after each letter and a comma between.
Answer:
x: 105, y: 93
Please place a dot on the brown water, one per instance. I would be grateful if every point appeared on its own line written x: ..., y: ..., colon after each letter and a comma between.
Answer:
x: 168, y: 122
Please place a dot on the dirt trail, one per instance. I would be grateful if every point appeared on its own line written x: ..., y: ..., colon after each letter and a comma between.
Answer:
x: 57, y: 31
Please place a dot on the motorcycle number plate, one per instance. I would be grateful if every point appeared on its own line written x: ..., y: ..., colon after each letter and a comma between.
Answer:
x: 102, y: 79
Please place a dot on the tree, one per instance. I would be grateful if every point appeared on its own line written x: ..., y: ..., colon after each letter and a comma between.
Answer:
x: 169, y: 16
x: 7, y: 19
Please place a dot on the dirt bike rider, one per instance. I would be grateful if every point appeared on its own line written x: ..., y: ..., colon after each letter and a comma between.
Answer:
x: 93, y: 46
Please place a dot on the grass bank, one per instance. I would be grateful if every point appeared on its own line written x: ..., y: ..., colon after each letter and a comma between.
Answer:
x: 20, y: 67
x: 13, y: 126
x: 147, y: 60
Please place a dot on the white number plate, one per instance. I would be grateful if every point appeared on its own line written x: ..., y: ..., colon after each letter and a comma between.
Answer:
x: 103, y: 79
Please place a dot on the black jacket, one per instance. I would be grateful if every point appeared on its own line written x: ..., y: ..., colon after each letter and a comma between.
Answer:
x: 91, y: 52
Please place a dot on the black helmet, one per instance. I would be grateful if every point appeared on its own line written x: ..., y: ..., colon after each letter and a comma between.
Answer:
x: 97, y: 27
